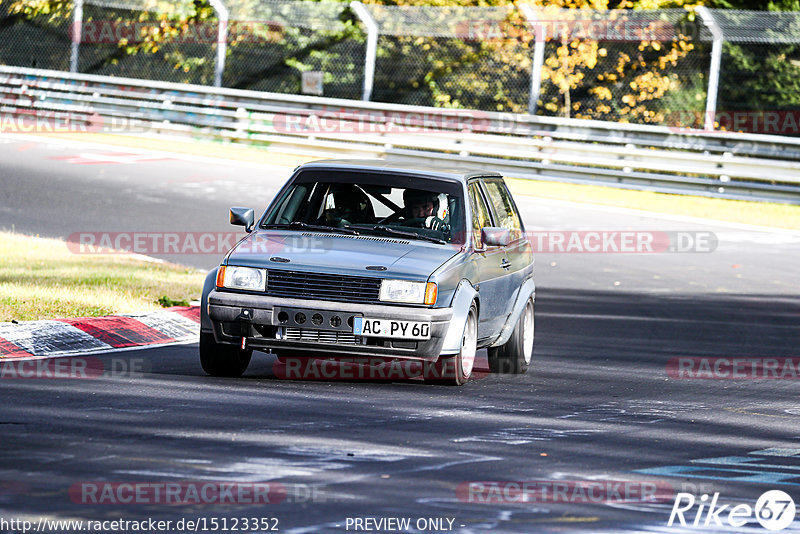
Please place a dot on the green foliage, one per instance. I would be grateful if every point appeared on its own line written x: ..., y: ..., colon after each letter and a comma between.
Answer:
x: 756, y: 5
x: 760, y: 77
x: 167, y: 302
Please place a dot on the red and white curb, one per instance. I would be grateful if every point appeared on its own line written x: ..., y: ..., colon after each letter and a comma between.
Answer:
x: 67, y: 337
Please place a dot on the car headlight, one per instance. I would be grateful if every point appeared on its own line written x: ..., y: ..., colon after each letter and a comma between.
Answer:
x: 242, y: 278
x: 408, y: 292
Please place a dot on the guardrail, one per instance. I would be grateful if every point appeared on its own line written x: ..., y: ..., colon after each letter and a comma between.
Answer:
x: 719, y: 164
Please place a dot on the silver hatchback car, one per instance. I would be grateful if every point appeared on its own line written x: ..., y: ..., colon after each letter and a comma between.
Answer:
x: 363, y: 258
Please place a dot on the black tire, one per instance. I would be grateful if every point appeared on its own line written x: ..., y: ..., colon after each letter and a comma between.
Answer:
x: 514, y: 357
x: 456, y: 370
x: 219, y: 359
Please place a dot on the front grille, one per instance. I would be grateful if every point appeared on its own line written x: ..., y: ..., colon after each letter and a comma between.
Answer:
x: 296, y: 284
x: 320, y: 336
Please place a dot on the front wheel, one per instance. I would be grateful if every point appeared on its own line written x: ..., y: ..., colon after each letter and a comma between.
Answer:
x: 514, y: 357
x: 218, y: 359
x: 456, y: 370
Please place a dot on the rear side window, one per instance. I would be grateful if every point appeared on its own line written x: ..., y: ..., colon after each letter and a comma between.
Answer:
x: 504, y: 209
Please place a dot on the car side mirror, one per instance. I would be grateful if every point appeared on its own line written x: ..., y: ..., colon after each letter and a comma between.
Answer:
x: 495, y: 237
x: 243, y: 217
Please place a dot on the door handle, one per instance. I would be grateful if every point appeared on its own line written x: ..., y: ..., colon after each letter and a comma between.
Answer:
x: 505, y: 264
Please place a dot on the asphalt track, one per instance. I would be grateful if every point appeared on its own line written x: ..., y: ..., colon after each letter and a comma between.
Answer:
x: 600, y: 405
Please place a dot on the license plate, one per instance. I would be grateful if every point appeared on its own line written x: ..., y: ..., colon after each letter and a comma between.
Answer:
x: 366, y: 327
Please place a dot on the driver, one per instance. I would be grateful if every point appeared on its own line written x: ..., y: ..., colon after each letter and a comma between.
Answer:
x: 423, y: 208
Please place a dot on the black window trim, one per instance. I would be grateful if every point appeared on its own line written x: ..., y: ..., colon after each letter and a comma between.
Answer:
x: 478, y: 181
x: 513, y: 203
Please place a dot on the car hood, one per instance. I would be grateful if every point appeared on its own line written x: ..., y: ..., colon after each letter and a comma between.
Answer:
x: 341, y: 254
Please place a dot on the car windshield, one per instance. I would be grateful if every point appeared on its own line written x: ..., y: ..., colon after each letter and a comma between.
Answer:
x: 371, y: 203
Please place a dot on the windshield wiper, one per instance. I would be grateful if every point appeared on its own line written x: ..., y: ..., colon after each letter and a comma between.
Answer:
x: 401, y: 233
x: 306, y: 226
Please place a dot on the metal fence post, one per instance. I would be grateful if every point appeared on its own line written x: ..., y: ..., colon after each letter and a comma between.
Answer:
x: 222, y: 39
x: 372, y: 46
x: 538, y: 56
x: 77, y: 35
x: 716, y: 59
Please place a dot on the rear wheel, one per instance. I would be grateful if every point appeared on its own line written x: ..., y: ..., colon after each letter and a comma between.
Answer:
x: 456, y: 370
x: 218, y: 359
x: 514, y: 357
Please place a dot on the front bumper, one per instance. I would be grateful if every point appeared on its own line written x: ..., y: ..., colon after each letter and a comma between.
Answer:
x: 256, y: 318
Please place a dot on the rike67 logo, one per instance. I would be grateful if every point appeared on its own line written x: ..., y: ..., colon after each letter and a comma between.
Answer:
x: 774, y: 510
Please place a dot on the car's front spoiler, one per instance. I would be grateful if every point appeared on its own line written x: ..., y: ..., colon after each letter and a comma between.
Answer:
x: 240, y: 315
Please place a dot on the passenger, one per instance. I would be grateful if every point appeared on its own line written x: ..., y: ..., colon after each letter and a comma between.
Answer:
x: 352, y: 205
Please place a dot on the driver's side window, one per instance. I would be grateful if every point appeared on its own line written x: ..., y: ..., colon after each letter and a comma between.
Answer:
x: 480, y: 215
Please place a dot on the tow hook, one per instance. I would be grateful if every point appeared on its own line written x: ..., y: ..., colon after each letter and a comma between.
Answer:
x: 246, y: 319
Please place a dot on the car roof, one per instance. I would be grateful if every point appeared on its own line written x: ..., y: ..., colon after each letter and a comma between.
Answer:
x: 382, y: 165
